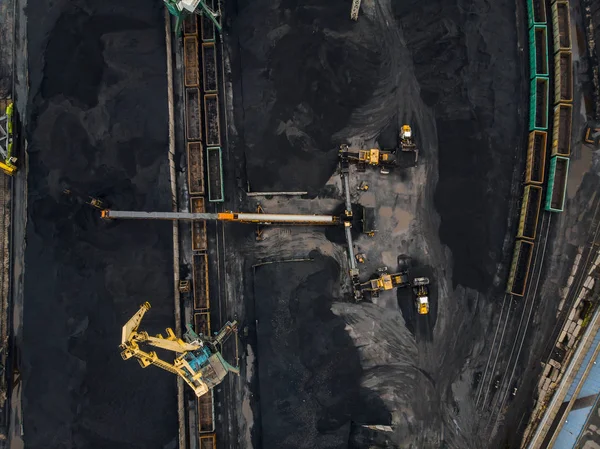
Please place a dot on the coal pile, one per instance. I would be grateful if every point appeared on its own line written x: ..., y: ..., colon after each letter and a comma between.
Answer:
x: 310, y: 394
x: 465, y: 60
x: 97, y: 124
x: 300, y: 75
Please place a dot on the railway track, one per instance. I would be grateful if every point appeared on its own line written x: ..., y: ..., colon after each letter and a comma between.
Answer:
x: 504, y: 390
x: 502, y: 323
x: 486, y: 388
x: 500, y: 401
x: 593, y: 230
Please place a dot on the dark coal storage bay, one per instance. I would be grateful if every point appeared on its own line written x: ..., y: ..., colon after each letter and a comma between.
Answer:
x: 97, y: 124
x: 300, y: 70
x: 297, y: 86
x: 310, y: 393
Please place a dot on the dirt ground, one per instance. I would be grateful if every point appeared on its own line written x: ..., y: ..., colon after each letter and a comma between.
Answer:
x: 97, y: 125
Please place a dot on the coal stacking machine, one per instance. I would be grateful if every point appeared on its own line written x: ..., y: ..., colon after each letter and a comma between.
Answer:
x: 199, y: 362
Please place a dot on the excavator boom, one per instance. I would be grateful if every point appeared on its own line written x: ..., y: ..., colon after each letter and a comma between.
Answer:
x: 131, y: 327
x: 171, y: 343
x: 199, y: 362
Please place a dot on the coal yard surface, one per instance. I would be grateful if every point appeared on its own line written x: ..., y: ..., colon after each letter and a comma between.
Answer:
x: 306, y: 400
x: 368, y: 227
x: 456, y: 78
x: 96, y: 70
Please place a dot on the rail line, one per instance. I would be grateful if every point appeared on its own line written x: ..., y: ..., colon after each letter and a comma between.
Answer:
x: 506, y: 319
x: 577, y: 282
x: 529, y: 302
x: 576, y: 287
x: 505, y: 323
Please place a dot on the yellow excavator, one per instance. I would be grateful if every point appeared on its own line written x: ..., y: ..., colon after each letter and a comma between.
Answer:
x: 199, y: 363
x: 385, y: 281
x: 384, y: 159
x: 8, y: 162
x: 374, y: 157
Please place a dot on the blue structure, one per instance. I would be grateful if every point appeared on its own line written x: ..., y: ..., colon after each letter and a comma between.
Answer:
x: 585, y: 410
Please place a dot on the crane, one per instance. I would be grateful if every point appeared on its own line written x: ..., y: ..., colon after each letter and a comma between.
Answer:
x: 7, y: 165
x: 239, y: 217
x: 199, y: 363
x: 182, y: 8
x: 352, y: 259
x: 354, y: 10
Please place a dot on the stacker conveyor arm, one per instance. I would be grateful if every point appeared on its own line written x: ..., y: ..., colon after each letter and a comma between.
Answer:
x: 136, y: 215
x: 290, y: 219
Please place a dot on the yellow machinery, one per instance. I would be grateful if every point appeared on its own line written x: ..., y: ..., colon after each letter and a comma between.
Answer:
x: 384, y: 159
x: 421, y: 292
x: 199, y: 362
x: 592, y: 135
x: 8, y: 162
x: 374, y: 157
x: 407, y: 142
x: 384, y: 282
x: 89, y: 200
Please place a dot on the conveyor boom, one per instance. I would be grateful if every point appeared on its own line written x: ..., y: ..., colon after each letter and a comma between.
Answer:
x: 290, y: 219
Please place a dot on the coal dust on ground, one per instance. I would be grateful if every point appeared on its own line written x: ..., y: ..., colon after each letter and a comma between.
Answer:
x: 98, y: 126
x: 309, y: 382
x: 298, y: 85
x: 468, y: 74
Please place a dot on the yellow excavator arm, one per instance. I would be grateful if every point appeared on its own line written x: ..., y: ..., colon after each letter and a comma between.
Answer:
x: 199, y: 362
x: 171, y: 343
x: 131, y: 327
